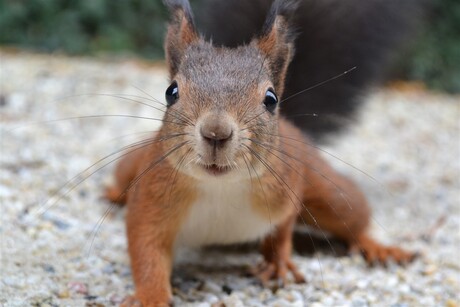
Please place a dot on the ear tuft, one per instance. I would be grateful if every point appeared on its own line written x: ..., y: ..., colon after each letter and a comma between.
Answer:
x: 180, y: 9
x: 277, y: 39
x: 181, y: 33
x: 281, y: 11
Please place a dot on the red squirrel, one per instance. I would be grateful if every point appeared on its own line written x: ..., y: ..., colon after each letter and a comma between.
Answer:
x: 227, y: 168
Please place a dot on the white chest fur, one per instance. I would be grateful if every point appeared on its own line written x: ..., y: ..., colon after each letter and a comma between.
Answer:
x: 222, y: 214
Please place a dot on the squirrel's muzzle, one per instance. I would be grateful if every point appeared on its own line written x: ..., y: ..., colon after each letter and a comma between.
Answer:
x: 217, y: 138
x: 216, y: 134
x: 216, y: 131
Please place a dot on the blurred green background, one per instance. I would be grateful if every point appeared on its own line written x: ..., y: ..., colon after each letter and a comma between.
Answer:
x: 120, y: 26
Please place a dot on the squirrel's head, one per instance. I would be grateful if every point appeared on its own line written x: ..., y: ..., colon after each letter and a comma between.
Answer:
x: 223, y: 102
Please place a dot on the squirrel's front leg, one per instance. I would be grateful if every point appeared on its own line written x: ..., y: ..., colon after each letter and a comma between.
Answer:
x: 277, y: 251
x: 151, y: 233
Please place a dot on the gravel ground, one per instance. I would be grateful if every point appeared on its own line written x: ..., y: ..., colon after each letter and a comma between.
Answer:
x: 407, y: 143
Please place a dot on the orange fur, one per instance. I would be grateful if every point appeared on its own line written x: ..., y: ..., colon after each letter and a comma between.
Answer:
x: 155, y: 213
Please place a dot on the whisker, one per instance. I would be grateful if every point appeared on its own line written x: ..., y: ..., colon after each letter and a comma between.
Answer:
x: 331, y: 155
x: 94, y: 232
x: 120, y: 96
x: 319, y: 84
x: 137, y: 146
x: 282, y: 182
x: 254, y: 117
x: 171, y: 112
x: 265, y: 146
x: 264, y: 194
x: 93, y: 117
x: 146, y: 93
x: 120, y: 137
x: 152, y: 165
x: 305, y: 90
x: 342, y: 161
x: 342, y: 193
x: 153, y: 99
x: 268, y: 146
x: 150, y: 98
x: 176, y: 171
x: 305, y: 179
x: 277, y: 119
x: 243, y: 155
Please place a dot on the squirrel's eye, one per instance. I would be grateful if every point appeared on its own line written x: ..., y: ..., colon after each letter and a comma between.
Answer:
x: 172, y: 94
x: 270, y: 100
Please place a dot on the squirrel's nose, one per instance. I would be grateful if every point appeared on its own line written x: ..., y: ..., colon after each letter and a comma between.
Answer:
x: 216, y: 133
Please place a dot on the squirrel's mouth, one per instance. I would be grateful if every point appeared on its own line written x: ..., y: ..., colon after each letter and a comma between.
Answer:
x: 216, y: 170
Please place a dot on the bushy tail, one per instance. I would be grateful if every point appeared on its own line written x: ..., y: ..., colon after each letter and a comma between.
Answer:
x: 333, y: 36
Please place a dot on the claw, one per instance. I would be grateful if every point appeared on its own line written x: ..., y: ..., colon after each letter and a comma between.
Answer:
x: 266, y: 274
x: 377, y: 254
x: 266, y: 271
x: 298, y: 277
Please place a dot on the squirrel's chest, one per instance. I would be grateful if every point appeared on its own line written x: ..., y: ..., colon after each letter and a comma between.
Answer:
x: 222, y: 214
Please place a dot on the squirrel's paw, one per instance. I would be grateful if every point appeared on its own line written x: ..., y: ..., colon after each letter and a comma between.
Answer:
x: 277, y: 271
x: 376, y: 253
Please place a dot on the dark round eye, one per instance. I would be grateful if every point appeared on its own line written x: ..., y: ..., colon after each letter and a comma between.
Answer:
x: 172, y: 94
x: 270, y: 100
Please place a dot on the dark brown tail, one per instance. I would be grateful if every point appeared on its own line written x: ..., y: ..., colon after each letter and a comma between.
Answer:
x: 333, y: 36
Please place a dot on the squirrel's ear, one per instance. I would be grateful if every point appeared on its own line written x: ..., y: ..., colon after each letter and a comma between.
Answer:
x: 277, y: 40
x: 181, y: 33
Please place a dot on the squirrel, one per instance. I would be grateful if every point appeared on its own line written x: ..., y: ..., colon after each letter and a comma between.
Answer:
x: 227, y: 166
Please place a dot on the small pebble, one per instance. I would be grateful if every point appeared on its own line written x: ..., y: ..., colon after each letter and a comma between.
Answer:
x: 211, y: 298
x: 64, y: 294
x: 210, y: 286
x: 359, y: 302
x: 3, y: 101
x: 108, y: 269
x: 48, y: 268
x: 78, y: 287
x: 429, y: 270
x: 116, y: 299
x: 227, y: 289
